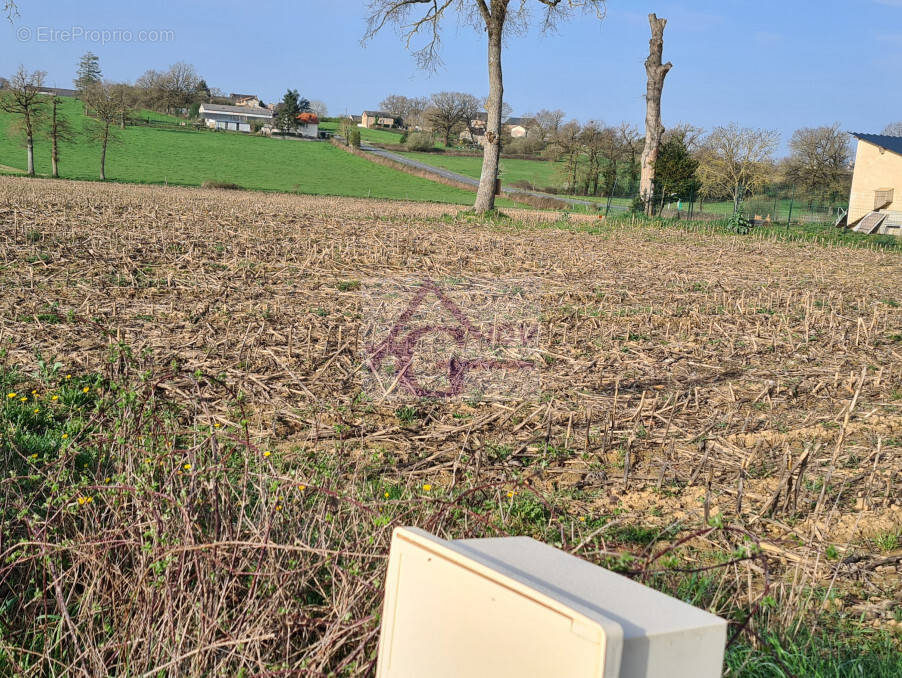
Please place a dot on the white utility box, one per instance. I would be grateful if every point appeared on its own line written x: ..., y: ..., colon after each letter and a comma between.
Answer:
x: 517, y: 608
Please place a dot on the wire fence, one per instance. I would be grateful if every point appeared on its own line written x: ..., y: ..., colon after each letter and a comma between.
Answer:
x: 783, y: 207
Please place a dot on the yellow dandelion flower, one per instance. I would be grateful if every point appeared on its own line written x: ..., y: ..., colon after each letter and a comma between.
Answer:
x: 510, y: 495
x: 35, y: 393
x: 106, y: 480
x: 37, y: 409
x: 65, y: 436
x: 427, y: 488
x: 582, y: 519
x: 217, y: 425
x: 88, y: 500
x: 187, y: 467
x: 302, y: 487
x: 23, y: 399
x: 386, y: 495
x: 68, y: 376
x: 85, y: 389
x: 279, y: 507
x: 267, y: 453
x: 11, y: 395
x: 34, y: 456
x: 55, y: 398
x: 83, y: 500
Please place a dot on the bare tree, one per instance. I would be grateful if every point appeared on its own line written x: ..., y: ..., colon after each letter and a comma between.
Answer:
x: 397, y: 105
x: 105, y: 101
x: 58, y: 129
x: 181, y: 81
x: 567, y: 147
x: 320, y: 108
x: 24, y: 98
x: 497, y: 18
x: 631, y: 140
x: 592, y: 138
x: 547, y: 123
x: 174, y: 89
x: 736, y: 161
x: 451, y: 111
x: 10, y: 9
x: 894, y: 129
x: 654, y: 130
x: 820, y: 161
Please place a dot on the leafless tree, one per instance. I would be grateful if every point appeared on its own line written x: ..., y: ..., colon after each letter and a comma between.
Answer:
x: 24, y: 98
x: 10, y: 9
x: 736, y: 161
x: 654, y: 130
x: 105, y: 101
x: 450, y: 111
x: 631, y: 141
x: 547, y: 123
x: 567, y: 147
x: 320, y: 108
x: 894, y: 129
x: 423, y: 18
x: 592, y: 138
x: 174, y: 89
x: 58, y: 129
x: 820, y: 161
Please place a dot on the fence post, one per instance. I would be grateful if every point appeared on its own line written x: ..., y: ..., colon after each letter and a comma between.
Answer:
x: 791, y: 201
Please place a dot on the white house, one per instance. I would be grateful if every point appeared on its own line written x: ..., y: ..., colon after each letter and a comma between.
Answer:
x: 234, y: 118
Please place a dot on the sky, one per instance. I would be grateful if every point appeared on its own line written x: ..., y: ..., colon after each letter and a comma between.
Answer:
x: 775, y: 64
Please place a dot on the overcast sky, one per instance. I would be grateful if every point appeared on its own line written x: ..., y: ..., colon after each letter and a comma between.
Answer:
x: 779, y: 64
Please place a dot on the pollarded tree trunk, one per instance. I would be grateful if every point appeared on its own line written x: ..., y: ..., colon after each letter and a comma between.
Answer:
x: 29, y: 151
x: 105, y: 140
x: 485, y: 196
x: 654, y: 130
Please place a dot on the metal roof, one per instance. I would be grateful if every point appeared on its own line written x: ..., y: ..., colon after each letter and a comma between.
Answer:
x: 239, y: 110
x: 893, y: 144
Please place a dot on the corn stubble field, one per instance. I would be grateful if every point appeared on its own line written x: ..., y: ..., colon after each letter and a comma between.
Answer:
x: 195, y: 484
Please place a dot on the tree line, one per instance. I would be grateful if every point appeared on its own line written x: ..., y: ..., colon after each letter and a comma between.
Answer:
x: 728, y: 163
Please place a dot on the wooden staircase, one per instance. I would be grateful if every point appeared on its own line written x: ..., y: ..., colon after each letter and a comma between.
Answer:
x: 871, y: 223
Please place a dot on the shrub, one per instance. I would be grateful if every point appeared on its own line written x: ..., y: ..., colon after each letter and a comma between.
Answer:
x: 222, y: 184
x: 419, y: 142
x: 739, y: 223
x: 354, y: 138
x: 524, y: 146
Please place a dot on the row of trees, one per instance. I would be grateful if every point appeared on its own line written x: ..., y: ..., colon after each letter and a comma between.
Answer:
x: 39, y: 114
x: 729, y: 163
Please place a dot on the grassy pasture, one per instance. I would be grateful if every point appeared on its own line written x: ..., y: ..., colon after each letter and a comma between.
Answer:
x: 188, y: 157
x: 195, y: 478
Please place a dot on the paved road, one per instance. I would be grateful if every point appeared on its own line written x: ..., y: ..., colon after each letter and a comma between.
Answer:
x: 447, y: 174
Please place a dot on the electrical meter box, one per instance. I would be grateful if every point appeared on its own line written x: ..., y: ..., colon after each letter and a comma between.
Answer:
x: 517, y: 608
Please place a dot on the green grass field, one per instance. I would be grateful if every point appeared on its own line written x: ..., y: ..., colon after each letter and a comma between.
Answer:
x: 189, y: 157
x: 538, y: 172
x: 376, y: 136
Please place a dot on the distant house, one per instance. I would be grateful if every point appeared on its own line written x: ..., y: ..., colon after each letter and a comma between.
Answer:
x: 518, y: 127
x: 234, y: 118
x: 475, y: 132
x: 249, y: 100
x: 371, y: 119
x: 357, y: 119
x: 58, y: 91
x: 308, y: 125
x: 875, y: 204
